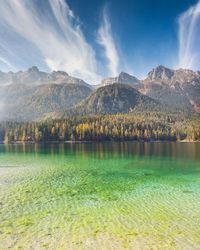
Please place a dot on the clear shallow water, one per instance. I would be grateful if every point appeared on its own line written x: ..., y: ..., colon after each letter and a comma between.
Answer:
x: 100, y: 196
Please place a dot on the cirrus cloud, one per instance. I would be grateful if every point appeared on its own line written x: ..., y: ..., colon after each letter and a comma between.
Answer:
x: 105, y: 39
x: 51, y: 35
x: 189, y: 39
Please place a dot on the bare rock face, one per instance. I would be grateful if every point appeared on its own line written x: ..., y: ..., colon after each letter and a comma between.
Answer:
x: 177, y: 88
x: 122, y: 78
x: 160, y: 73
x: 171, y: 77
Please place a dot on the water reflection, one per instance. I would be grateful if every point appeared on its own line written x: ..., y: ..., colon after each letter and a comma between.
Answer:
x: 110, y: 149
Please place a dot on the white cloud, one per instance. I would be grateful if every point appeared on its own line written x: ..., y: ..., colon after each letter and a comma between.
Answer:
x: 5, y: 63
x: 189, y: 39
x: 53, y: 31
x: 106, y: 40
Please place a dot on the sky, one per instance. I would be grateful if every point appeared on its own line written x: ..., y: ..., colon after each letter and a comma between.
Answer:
x: 95, y: 39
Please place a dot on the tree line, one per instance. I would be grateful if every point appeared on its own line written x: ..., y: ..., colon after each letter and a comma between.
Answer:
x: 148, y: 126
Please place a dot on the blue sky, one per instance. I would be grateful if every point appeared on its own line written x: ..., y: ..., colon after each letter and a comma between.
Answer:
x: 95, y: 39
x: 145, y: 31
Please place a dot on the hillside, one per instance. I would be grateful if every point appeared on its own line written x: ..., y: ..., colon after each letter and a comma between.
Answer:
x: 144, y: 126
x: 113, y: 99
x: 32, y: 103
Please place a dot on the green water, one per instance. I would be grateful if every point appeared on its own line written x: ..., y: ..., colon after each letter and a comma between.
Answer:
x: 100, y: 196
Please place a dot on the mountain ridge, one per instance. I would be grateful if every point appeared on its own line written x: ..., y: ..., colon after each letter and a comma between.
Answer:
x: 33, y: 102
x: 33, y: 76
x: 122, y: 78
x: 115, y: 99
x: 35, y: 93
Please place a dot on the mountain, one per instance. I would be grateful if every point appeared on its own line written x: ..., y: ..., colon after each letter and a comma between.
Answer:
x: 24, y: 102
x: 5, y: 78
x: 179, y: 89
x: 33, y: 94
x: 122, y: 78
x: 160, y: 73
x: 113, y: 99
x: 33, y: 76
x: 172, y: 77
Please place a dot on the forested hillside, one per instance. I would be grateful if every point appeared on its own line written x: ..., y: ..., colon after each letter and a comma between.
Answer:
x: 137, y: 126
x: 116, y: 99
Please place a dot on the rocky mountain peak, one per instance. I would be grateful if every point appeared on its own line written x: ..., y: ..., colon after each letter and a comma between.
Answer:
x: 58, y: 77
x: 122, y: 78
x: 126, y: 78
x: 160, y: 73
x: 124, y: 74
x: 33, y: 77
x: 33, y: 69
x: 59, y: 73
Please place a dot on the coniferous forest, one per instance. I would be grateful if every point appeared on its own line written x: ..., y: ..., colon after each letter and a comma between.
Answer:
x: 138, y: 126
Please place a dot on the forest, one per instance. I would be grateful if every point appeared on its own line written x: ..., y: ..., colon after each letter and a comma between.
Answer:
x: 120, y: 127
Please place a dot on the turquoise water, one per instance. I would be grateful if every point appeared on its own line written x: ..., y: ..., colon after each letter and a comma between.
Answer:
x: 100, y: 196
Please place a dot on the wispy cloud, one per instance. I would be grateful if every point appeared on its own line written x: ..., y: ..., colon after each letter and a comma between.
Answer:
x: 106, y: 40
x: 189, y: 39
x: 51, y: 29
x: 5, y: 63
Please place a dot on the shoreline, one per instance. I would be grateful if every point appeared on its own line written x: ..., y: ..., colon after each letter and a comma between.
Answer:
x: 79, y: 142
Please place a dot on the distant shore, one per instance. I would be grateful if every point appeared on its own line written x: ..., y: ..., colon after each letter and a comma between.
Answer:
x: 92, y: 141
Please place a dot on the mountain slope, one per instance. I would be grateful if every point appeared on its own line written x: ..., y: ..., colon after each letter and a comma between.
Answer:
x: 33, y: 94
x: 113, y: 99
x: 179, y: 89
x: 32, y: 103
x: 5, y: 78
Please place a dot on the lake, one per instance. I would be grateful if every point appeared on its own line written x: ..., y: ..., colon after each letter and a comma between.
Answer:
x: 100, y: 196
